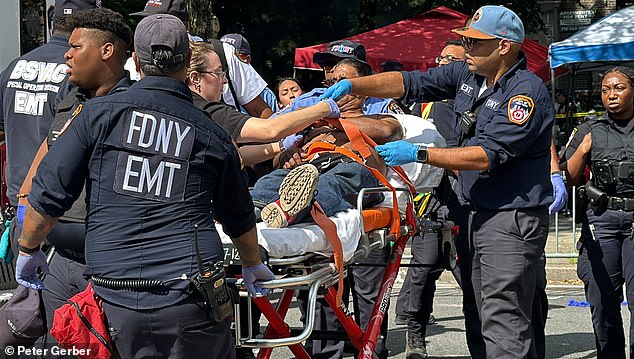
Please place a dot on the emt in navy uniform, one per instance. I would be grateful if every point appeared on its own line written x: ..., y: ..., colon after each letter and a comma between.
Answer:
x: 606, y: 250
x: 99, y: 42
x: 155, y: 167
x: 28, y: 88
x: 503, y: 166
x: 415, y: 301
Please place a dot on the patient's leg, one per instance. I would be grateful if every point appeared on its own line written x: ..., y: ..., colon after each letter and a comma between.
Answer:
x: 338, y: 188
x: 266, y: 189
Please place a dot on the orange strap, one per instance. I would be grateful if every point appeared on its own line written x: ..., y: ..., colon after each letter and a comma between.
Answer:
x: 360, y: 142
x: 318, y: 147
x: 329, y: 227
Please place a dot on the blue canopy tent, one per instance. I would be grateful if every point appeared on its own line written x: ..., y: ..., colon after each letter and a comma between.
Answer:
x: 606, y: 43
x: 609, y: 40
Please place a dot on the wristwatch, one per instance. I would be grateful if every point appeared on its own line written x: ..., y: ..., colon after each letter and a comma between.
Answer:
x: 421, y: 155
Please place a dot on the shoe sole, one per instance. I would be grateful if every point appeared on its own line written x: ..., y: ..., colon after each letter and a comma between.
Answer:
x: 296, y: 193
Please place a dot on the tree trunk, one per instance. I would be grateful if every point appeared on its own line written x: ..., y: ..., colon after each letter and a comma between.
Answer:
x: 202, y: 21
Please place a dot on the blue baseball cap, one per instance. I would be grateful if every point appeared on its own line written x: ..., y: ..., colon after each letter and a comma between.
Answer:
x: 494, y: 22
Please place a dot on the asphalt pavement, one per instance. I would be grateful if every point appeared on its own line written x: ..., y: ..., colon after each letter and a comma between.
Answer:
x: 568, y: 329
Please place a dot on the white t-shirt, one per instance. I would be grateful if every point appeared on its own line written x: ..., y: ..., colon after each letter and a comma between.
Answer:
x: 247, y: 83
x: 130, y: 66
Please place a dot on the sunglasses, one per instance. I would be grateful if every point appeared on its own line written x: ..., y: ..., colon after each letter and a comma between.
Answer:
x: 447, y: 59
x: 469, y: 42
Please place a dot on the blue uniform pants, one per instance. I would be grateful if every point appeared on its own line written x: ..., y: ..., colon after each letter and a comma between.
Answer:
x: 182, y: 330
x: 416, y: 299
x: 606, y: 261
x: 66, y: 272
x: 509, y: 280
x: 336, y: 190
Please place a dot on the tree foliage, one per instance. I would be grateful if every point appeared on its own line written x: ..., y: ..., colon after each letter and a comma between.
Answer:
x: 276, y: 27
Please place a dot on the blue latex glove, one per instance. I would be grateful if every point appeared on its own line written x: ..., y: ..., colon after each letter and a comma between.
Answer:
x: 338, y: 90
x: 20, y: 214
x: 334, y: 108
x: 252, y: 274
x: 397, y: 153
x: 559, y: 192
x: 26, y: 269
x: 290, y: 141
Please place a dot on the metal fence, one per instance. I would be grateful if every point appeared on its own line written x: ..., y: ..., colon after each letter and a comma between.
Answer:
x: 565, y: 233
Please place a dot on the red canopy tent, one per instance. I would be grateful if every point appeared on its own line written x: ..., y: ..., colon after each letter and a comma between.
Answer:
x: 415, y: 42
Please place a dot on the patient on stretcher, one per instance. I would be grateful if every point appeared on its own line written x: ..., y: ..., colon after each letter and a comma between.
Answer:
x: 341, y: 181
x: 329, y: 167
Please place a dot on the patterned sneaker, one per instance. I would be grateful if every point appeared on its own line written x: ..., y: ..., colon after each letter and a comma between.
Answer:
x: 296, y: 193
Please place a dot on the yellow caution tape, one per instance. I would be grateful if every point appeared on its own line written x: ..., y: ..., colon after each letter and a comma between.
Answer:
x: 579, y: 114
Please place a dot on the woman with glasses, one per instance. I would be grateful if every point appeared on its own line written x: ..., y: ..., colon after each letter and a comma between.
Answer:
x: 206, y: 78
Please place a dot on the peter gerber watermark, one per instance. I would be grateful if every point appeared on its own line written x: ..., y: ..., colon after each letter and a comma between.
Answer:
x: 26, y: 351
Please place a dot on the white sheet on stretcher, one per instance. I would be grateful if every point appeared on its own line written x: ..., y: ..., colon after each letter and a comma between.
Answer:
x: 310, y: 238
x: 423, y: 176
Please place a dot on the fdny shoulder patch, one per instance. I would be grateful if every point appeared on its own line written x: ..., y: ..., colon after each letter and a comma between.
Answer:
x: 72, y: 117
x: 520, y: 109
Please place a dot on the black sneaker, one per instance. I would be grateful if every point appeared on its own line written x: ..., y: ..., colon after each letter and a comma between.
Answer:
x: 432, y: 319
x: 416, y: 348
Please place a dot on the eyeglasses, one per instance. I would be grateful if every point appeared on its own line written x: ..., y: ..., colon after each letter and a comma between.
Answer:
x: 468, y: 42
x: 219, y: 74
x: 447, y: 59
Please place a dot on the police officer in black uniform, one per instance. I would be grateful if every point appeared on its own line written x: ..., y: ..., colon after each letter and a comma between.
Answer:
x: 158, y: 173
x: 96, y: 57
x: 28, y: 88
x: 606, y: 250
x: 503, y: 167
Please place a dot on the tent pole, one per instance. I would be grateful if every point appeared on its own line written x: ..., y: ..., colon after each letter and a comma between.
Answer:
x: 553, y: 86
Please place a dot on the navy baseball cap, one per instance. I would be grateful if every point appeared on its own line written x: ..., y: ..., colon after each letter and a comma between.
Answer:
x: 239, y: 42
x: 339, y: 50
x: 66, y: 7
x: 494, y: 22
x: 161, y: 30
x: 21, y: 319
x: 177, y: 8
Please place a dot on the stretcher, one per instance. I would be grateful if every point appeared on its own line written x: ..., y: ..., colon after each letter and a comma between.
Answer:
x: 301, y: 256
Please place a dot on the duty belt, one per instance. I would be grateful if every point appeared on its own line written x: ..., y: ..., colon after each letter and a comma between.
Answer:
x: 618, y: 203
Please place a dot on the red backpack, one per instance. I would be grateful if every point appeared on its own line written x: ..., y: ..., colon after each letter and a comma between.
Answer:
x: 80, y: 325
